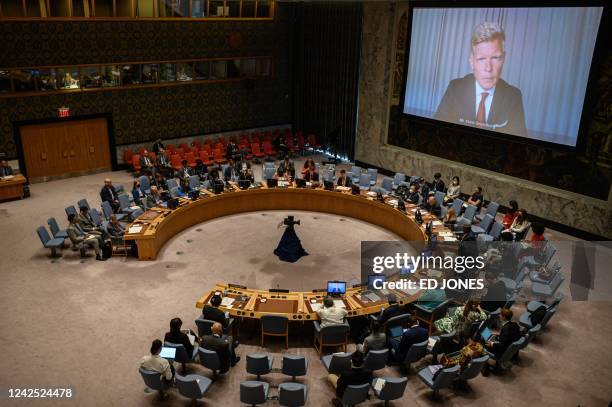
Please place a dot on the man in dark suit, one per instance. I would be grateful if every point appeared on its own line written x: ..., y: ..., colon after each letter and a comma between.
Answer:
x: 222, y: 345
x: 356, y: 375
x: 432, y: 206
x: 146, y: 163
x: 393, y: 310
x: 5, y: 169
x: 496, y: 293
x: 414, y: 334
x: 212, y: 312
x: 158, y: 146
x: 344, y: 180
x: 482, y: 98
x: 109, y: 194
x: 510, y: 332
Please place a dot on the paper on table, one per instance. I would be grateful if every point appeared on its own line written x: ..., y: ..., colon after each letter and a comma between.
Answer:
x: 227, y: 301
x: 339, y: 303
x: 437, y: 223
x: 450, y: 239
x: 135, y: 229
x: 315, y: 306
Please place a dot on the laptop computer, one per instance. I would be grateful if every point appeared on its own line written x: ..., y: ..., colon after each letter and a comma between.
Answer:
x: 396, y: 331
x: 486, y: 334
x: 168, y: 353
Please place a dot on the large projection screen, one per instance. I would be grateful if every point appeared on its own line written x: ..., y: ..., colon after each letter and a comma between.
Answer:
x: 518, y: 71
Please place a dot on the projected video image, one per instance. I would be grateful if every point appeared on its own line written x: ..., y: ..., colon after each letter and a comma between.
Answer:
x: 520, y: 71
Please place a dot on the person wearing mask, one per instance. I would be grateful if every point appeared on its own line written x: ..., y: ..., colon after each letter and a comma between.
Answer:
x: 356, y: 375
x: 496, y: 293
x: 510, y: 332
x: 344, y: 180
x: 156, y: 363
x: 312, y: 175
x: 221, y: 344
x: 453, y: 192
x: 330, y: 314
x: 108, y: 193
x: 376, y: 340
x: 432, y: 206
x: 413, y: 194
x: 510, y: 215
x: 213, y: 313
x: 476, y: 199
x: 5, y: 169
x: 77, y: 235
x: 180, y: 337
x: 412, y: 335
x: 519, y: 225
x: 137, y: 193
x: 288, y: 167
x: 437, y: 184
x: 450, y: 219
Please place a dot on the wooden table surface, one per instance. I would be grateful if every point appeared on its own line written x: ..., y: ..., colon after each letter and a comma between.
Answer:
x: 12, y: 187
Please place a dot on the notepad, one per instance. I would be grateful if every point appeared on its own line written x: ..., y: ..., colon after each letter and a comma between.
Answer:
x: 339, y: 303
x: 189, y: 335
x: 135, y: 229
x: 437, y: 223
x: 315, y: 306
x: 227, y: 301
x: 379, y: 384
x: 431, y: 342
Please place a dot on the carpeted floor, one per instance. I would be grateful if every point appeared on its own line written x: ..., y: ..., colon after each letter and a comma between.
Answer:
x: 85, y: 324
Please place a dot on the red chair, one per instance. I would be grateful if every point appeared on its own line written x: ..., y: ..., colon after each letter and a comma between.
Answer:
x: 312, y: 141
x: 175, y: 161
x: 197, y: 144
x: 267, y: 148
x: 207, y: 148
x: 127, y: 155
x: 190, y: 157
x: 289, y: 143
x: 170, y: 148
x: 184, y: 146
x: 219, y: 146
x: 219, y: 157
x: 205, y: 157
x: 267, y: 136
x: 222, y: 141
x: 136, y: 162
x: 153, y: 156
x: 141, y: 151
x: 234, y: 139
x: 180, y: 151
x: 195, y: 150
x: 256, y: 150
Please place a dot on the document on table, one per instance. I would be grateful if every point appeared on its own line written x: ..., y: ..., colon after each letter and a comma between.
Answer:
x: 135, y: 229
x: 315, y: 306
x: 339, y: 303
x: 227, y: 301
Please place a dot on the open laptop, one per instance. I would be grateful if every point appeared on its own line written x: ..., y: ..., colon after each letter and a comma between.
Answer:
x: 486, y: 333
x: 168, y: 353
x: 396, y: 331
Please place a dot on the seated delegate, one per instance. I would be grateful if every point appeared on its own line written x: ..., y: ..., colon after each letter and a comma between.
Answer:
x: 77, y: 235
x: 223, y: 345
x: 355, y: 375
x: 330, y: 314
x: 376, y: 340
x: 156, y: 363
x: 412, y: 335
x: 176, y: 336
x: 213, y: 313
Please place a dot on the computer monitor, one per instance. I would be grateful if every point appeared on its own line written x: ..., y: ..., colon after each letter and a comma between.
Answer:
x: 355, y: 190
x: 328, y: 185
x: 375, y: 277
x: 336, y: 287
x: 300, y: 182
x: 272, y: 182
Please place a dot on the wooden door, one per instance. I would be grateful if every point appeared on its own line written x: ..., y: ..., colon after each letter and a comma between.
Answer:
x: 65, y: 148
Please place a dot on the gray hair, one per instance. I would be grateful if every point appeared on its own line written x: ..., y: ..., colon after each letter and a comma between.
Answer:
x: 488, y: 31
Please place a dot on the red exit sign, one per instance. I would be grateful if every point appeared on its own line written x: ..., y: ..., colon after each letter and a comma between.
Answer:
x: 63, y: 111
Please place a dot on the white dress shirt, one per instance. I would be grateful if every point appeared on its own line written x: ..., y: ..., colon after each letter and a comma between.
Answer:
x: 332, y: 315
x: 156, y: 363
x: 488, y: 101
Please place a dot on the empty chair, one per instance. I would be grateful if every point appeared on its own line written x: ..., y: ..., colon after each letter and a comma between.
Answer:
x: 70, y: 210
x: 48, y: 242
x: 373, y: 173
x: 496, y: 230
x: 534, y: 305
x: 194, y: 182
x: 210, y: 360
x: 376, y: 359
x: 355, y: 174
x: 253, y: 392
x: 268, y: 164
x: 398, y: 179
x: 467, y: 216
x: 443, y: 380
x: 145, y: 184
x: 83, y: 203
x: 154, y: 381
x: 330, y: 335
x: 292, y: 394
x: 55, y: 230
x: 181, y: 354
x: 95, y: 217
x: 108, y: 211
x: 294, y: 365
x: 457, y: 205
x: 547, y: 290
x: 393, y: 389
x: 258, y: 364
x: 473, y: 369
x: 355, y: 394
x: 192, y: 386
x: 337, y: 363
x: 505, y: 361
x: 171, y: 183
x: 275, y: 325
x: 386, y: 186
x: 525, y: 319
x: 440, y: 197
x: 483, y: 226
x: 491, y: 210
x: 268, y: 172
x: 364, y: 181
x: 416, y: 352
x: 328, y: 175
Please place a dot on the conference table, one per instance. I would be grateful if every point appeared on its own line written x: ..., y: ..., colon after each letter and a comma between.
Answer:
x: 156, y: 226
x: 12, y: 186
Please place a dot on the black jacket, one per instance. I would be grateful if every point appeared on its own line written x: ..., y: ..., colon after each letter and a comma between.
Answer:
x: 495, y: 297
x: 108, y: 194
x: 416, y: 334
x: 221, y: 346
x: 510, y: 332
x: 393, y: 311
x: 347, y: 182
x: 214, y: 314
x: 180, y: 339
x: 353, y: 376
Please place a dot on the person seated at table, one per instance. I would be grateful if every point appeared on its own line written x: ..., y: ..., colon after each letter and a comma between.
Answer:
x: 212, y: 312
x: 156, y: 363
x: 232, y: 171
x: 312, y: 175
x: 344, y: 180
x: 330, y: 314
x: 453, y: 191
x: 177, y: 336
x: 5, y: 169
x: 476, y: 198
x: 115, y: 230
x: 137, y: 193
x: 108, y: 193
x: 146, y: 163
x: 450, y: 219
x: 231, y: 151
x: 288, y: 167
x: 307, y: 164
x: 432, y: 206
x: 393, y: 310
x: 496, y: 293
x: 355, y: 375
x: 86, y: 222
x: 153, y: 198
x: 163, y: 164
x: 223, y: 345
x: 412, y: 335
x: 519, y: 225
x: 511, y: 214
x: 461, y: 318
x: 160, y: 181
x: 472, y: 350
x: 413, y: 195
x: 200, y: 169
x: 437, y: 184
x: 246, y: 174
x: 376, y: 340
x: 510, y: 332
x: 77, y: 236
x: 280, y: 175
x: 183, y: 174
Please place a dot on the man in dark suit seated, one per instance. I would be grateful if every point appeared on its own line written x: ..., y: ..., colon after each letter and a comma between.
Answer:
x: 510, y: 332
x: 5, y: 169
x: 414, y: 334
x: 179, y: 337
x: 108, y: 193
x: 482, y: 98
x: 223, y: 345
x: 413, y: 194
x: 496, y: 293
x: 432, y: 206
x: 356, y: 375
x: 343, y: 179
x: 393, y: 310
x: 212, y: 312
x: 146, y: 163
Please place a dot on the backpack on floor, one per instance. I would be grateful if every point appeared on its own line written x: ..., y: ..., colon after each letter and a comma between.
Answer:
x: 107, y: 249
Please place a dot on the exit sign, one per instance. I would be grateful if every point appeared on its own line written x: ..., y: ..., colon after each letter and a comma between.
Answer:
x: 63, y: 111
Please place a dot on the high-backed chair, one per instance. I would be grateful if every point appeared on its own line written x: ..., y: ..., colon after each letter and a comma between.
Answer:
x: 393, y: 389
x: 386, y: 187
x: 443, y: 380
x: 194, y: 182
x: 439, y: 195
x: 337, y: 363
x: 253, y: 392
x: 431, y: 312
x: 525, y: 319
x: 376, y: 360
x: 48, y: 242
x: 483, y: 226
x: 71, y: 210
x: 398, y: 178
x: 547, y: 290
x: 491, y: 210
x: 204, y: 326
x: 95, y: 216
x: 145, y: 184
x: 473, y: 369
x: 55, y: 230
x: 192, y: 386
x: 181, y: 354
x: 467, y: 216
x: 373, y: 173
x: 364, y: 181
x: 294, y: 365
x: 210, y: 360
x: 457, y: 205
x: 355, y: 174
x: 505, y: 361
x: 292, y: 394
x: 398, y: 320
x: 171, y: 183
x: 275, y: 325
x: 355, y: 394
x: 108, y: 211
x: 415, y: 353
x: 268, y: 172
x: 496, y: 230
x: 154, y: 381
x: 330, y: 335
x: 259, y: 364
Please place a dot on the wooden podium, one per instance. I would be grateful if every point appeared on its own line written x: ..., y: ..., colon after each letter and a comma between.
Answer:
x: 12, y: 187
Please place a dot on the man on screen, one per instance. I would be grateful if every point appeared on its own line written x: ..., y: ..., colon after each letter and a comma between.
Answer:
x: 482, y: 98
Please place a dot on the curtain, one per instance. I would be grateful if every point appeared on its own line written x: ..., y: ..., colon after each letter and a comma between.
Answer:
x: 548, y: 54
x: 326, y: 72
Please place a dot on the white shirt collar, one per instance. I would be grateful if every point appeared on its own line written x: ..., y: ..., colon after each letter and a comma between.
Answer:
x: 479, y: 90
